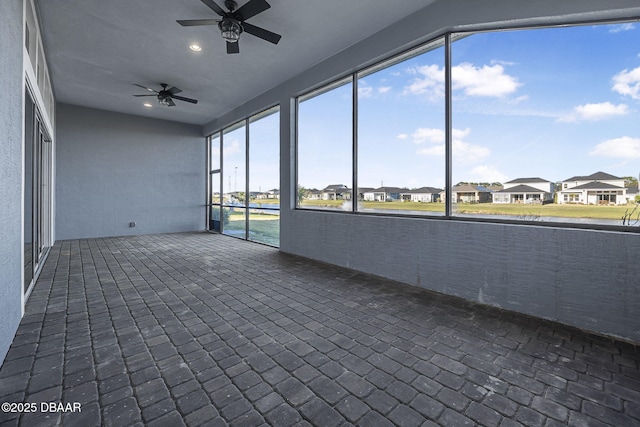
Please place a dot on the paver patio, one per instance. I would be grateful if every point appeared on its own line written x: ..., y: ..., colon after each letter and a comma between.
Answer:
x: 203, y: 329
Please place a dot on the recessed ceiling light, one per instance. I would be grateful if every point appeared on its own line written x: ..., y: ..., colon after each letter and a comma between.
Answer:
x: 146, y: 104
x: 195, y: 47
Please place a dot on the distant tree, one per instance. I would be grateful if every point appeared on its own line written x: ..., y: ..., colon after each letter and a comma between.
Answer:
x: 630, y: 181
x: 302, y: 193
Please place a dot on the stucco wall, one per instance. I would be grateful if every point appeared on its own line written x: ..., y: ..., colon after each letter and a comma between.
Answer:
x: 11, y: 25
x: 585, y: 278
x: 113, y: 169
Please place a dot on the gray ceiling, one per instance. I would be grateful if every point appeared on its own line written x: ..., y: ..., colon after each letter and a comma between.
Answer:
x: 97, y: 49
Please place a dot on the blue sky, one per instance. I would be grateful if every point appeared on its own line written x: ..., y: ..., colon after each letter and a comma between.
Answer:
x: 549, y: 103
x: 264, y: 155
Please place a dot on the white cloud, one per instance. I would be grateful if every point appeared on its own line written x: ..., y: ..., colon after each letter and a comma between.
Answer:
x: 617, y: 28
x: 422, y: 135
x: 367, y: 91
x: 231, y: 147
x: 488, y: 80
x: 460, y: 133
x: 364, y: 91
x: 628, y: 83
x: 462, y: 151
x: 501, y: 62
x: 430, y: 81
x: 519, y: 99
x: 436, y: 150
x: 594, y: 112
x: 465, y: 152
x: 402, y: 136
x: 624, y: 148
x: 484, y: 173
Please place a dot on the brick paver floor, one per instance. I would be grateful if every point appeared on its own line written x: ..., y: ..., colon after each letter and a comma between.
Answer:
x: 202, y: 329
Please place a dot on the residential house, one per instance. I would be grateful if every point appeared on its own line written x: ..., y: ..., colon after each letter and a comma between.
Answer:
x: 362, y: 190
x: 467, y: 193
x: 525, y: 190
x: 313, y: 194
x: 632, y: 193
x: 383, y: 194
x: 595, y: 189
x: 422, y: 194
x: 336, y: 192
x: 270, y: 194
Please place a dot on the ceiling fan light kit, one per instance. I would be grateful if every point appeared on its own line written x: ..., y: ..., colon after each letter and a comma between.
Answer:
x: 230, y: 30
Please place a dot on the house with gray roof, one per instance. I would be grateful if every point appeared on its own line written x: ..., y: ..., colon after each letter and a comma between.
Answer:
x: 467, y: 193
x: 336, y: 192
x: 312, y: 194
x: 599, y: 188
x: 525, y: 190
x: 383, y: 194
x: 422, y: 194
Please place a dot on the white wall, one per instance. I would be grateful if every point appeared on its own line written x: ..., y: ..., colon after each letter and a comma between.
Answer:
x: 113, y: 169
x: 589, y: 279
x: 11, y: 123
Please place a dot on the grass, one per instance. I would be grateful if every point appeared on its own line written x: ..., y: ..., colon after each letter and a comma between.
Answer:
x: 550, y: 210
x: 524, y: 211
x: 263, y: 228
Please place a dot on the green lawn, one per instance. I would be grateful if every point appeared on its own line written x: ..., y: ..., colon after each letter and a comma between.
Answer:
x: 551, y: 210
x: 263, y: 228
x: 524, y: 211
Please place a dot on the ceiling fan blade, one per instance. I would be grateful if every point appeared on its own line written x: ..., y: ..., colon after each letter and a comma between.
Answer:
x: 174, y: 90
x: 145, y: 88
x: 170, y: 102
x: 214, y: 6
x: 194, y: 22
x: 182, y: 98
x: 252, y: 8
x: 144, y: 95
x: 261, y: 32
x: 233, y: 47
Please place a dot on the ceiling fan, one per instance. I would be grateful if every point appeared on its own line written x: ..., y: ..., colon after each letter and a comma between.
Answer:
x: 233, y: 22
x: 166, y: 96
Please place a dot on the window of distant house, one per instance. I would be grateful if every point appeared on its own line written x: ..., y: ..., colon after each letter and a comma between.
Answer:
x: 545, y: 123
x: 325, y: 146
x: 401, y: 134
